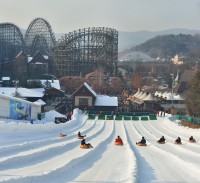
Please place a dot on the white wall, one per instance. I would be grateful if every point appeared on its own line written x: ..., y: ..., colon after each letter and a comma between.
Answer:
x: 5, y: 107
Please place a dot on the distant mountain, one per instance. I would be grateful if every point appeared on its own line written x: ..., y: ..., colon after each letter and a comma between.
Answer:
x: 128, y: 40
x: 164, y: 46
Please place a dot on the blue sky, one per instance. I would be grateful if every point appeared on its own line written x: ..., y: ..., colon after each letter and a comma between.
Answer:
x: 124, y: 15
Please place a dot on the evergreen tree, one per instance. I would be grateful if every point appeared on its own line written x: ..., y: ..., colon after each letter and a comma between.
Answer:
x: 193, y: 96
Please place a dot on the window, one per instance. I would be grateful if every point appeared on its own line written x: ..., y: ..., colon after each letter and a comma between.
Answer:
x: 83, y: 101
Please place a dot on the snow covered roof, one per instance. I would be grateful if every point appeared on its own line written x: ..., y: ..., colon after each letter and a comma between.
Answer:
x: 38, y: 63
x: 104, y: 100
x: 5, y: 78
x: 54, y: 83
x: 135, y: 95
x: 24, y: 92
x: 143, y: 95
x: 148, y: 97
x: 29, y: 59
x: 140, y: 94
x: 46, y: 56
x: 39, y: 102
x: 17, y: 99
x: 90, y: 89
x: 178, y: 97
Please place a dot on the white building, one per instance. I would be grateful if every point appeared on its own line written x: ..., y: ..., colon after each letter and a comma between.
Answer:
x: 17, y: 108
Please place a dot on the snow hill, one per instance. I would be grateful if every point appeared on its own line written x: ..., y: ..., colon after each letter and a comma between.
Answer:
x: 34, y: 152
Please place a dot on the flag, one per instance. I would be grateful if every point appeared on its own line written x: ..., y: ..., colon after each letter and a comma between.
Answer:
x: 175, y: 81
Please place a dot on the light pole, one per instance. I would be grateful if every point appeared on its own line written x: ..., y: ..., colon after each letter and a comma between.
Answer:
x: 172, y: 75
x: 16, y: 83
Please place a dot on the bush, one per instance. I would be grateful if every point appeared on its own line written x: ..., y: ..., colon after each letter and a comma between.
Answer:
x: 189, y: 124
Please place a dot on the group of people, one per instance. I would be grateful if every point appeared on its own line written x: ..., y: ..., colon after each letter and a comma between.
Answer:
x: 143, y: 140
x: 162, y: 140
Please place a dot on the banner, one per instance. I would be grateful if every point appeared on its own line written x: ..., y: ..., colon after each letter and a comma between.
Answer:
x: 19, y: 110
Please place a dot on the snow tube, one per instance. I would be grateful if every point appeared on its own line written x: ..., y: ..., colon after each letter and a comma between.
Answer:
x: 139, y: 144
x: 62, y: 135
x: 84, y: 146
x: 119, y: 143
x: 160, y: 142
x: 177, y: 142
x: 192, y: 141
x: 80, y: 137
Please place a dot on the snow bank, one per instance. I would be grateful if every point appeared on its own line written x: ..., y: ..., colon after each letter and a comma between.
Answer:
x: 9, y: 129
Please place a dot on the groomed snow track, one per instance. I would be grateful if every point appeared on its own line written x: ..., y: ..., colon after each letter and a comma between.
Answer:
x: 51, y: 159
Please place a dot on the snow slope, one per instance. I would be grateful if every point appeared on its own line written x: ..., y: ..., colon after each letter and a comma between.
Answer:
x: 34, y: 153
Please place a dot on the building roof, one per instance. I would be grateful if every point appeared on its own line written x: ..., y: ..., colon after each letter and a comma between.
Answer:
x: 95, y: 74
x: 137, y: 93
x: 144, y: 95
x: 17, y: 99
x: 148, y: 98
x: 104, y: 100
x: 39, y: 102
x: 5, y: 78
x: 24, y: 92
x: 87, y: 87
x: 54, y: 83
x: 90, y: 89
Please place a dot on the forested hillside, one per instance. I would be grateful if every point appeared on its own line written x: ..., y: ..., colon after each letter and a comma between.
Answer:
x: 169, y: 45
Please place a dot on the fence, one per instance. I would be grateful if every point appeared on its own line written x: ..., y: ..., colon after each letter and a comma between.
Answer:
x: 189, y: 119
x: 121, y: 117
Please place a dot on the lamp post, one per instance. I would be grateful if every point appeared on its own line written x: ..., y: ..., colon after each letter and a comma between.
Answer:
x: 16, y: 83
x: 172, y: 75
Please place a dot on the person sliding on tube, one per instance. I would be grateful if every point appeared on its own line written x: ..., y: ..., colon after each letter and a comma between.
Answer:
x: 178, y: 140
x: 162, y: 139
x: 119, y: 140
x: 143, y: 141
x: 79, y: 135
x: 83, y: 143
x: 192, y: 139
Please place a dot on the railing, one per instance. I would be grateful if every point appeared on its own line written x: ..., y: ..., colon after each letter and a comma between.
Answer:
x: 123, y: 117
x: 189, y: 119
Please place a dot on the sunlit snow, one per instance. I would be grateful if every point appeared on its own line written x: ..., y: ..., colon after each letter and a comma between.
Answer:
x: 36, y: 153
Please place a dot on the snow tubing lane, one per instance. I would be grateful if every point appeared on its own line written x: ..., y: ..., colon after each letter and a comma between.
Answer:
x: 119, y: 143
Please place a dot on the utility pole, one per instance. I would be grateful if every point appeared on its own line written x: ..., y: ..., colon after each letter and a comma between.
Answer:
x: 172, y: 98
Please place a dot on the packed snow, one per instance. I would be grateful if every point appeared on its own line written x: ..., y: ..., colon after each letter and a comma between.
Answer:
x: 35, y: 152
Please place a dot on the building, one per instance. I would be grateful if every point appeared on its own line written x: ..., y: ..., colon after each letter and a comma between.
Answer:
x: 86, y: 97
x: 17, y: 108
x: 24, y: 67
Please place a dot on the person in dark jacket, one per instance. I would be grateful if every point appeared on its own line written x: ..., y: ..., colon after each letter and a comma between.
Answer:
x: 178, y: 140
x: 79, y: 135
x: 162, y: 139
x: 87, y: 144
x: 143, y: 141
x: 192, y: 139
